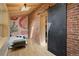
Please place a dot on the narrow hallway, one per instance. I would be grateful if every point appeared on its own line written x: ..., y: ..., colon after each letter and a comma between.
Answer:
x: 21, y: 26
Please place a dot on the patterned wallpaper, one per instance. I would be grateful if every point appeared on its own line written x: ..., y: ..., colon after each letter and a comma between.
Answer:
x: 19, y: 25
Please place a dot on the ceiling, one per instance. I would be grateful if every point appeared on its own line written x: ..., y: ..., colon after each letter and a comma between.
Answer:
x: 14, y: 8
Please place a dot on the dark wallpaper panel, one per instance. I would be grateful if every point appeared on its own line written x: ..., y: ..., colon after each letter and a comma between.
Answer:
x: 57, y: 32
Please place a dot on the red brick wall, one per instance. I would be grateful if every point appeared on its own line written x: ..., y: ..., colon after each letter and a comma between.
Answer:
x: 73, y: 29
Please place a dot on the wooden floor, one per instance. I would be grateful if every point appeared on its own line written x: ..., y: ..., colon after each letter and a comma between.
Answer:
x: 30, y: 50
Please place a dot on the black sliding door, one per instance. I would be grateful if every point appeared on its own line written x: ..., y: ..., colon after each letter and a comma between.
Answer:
x: 57, y: 34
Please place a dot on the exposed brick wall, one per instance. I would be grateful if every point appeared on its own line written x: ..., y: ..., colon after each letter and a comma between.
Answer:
x: 73, y: 29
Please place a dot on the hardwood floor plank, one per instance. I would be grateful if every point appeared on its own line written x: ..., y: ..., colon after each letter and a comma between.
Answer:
x: 30, y: 50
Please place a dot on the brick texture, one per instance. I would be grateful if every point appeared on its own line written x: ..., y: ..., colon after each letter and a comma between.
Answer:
x: 73, y: 29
